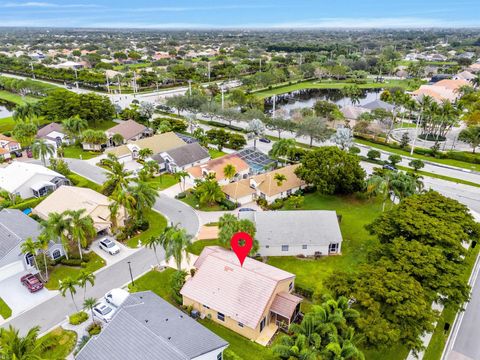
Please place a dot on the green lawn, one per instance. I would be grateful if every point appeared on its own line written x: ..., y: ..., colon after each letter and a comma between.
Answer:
x: 158, y: 282
x: 356, y: 213
x: 103, y: 125
x: 80, y: 181
x: 450, y: 162
x: 193, y: 202
x: 5, y: 311
x: 16, y: 99
x: 197, y: 247
x: 163, y: 181
x: 404, y: 125
x: 76, y: 151
x: 60, y: 271
x: 58, y: 343
x: 7, y: 124
x: 214, y: 153
x: 157, y: 224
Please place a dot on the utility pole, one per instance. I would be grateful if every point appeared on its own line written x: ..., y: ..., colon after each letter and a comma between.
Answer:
x: 33, y: 74
x: 274, y: 105
x: 131, y: 276
x: 190, y: 87
x: 222, y: 89
x: 416, y: 134
x: 208, y: 70
x: 119, y: 87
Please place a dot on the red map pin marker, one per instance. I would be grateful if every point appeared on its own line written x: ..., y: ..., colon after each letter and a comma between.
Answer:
x: 241, y: 244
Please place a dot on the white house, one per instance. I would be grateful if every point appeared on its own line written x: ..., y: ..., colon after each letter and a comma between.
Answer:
x: 30, y: 180
x: 15, y: 228
x: 217, y: 166
x: 184, y: 157
x: 293, y: 233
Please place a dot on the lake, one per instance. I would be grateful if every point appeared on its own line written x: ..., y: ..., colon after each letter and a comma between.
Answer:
x: 6, y: 108
x: 308, y: 97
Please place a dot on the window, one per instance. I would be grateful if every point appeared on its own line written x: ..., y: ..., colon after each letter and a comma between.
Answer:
x: 219, y: 356
x: 333, y: 248
x: 29, y: 259
x: 206, y: 307
x: 304, y: 247
x: 262, y: 324
x: 220, y: 316
x: 240, y: 324
x: 56, y: 254
x: 284, y: 247
x: 290, y: 286
x: 289, y: 192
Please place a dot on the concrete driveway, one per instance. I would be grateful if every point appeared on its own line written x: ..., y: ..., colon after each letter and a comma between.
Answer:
x: 112, y: 259
x: 19, y: 298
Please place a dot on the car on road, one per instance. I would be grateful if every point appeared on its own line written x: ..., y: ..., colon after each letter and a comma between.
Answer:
x: 103, y: 311
x: 265, y: 140
x: 109, y: 246
x: 116, y: 297
x: 31, y: 282
x: 245, y: 209
x: 389, y: 167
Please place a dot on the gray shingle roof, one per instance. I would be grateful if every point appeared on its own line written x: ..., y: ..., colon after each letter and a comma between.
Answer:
x: 308, y: 227
x: 379, y: 104
x: 15, y: 227
x: 188, y: 154
x: 147, y: 327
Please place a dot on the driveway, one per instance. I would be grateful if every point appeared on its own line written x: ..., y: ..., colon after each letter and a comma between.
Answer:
x: 112, y: 259
x: 19, y: 298
x: 87, y: 170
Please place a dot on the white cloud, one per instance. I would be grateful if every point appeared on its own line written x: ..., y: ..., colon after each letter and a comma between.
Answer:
x: 34, y: 4
x: 199, y: 8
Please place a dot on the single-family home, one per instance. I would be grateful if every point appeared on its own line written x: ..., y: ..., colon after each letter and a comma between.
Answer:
x: 158, y: 143
x: 184, y: 157
x: 378, y: 104
x: 30, y: 180
x: 252, y: 300
x: 441, y: 90
x: 15, y: 228
x: 95, y: 204
x: 130, y: 130
x: 53, y: 132
x: 265, y: 186
x: 7, y: 146
x: 217, y: 166
x: 292, y: 233
x: 474, y: 68
x: 147, y: 327
x: 465, y: 75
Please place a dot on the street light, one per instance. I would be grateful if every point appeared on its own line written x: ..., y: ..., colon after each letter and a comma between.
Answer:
x: 131, y: 276
x: 222, y: 89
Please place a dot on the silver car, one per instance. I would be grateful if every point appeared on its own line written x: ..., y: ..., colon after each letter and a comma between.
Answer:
x: 103, y: 311
x: 109, y: 246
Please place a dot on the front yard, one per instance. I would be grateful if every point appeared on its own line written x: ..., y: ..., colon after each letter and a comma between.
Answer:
x: 157, y: 223
x: 163, y: 181
x: 191, y: 200
x: 5, y: 311
x: 58, y: 344
x: 76, y: 152
x: 60, y: 272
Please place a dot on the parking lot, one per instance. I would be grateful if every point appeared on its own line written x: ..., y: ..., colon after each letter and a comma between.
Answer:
x: 19, y: 298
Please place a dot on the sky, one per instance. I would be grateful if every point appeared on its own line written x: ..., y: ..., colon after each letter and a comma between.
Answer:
x: 181, y: 14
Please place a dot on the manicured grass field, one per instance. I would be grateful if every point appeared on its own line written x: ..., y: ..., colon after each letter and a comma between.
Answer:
x: 163, y: 181
x: 7, y: 124
x: 158, y: 282
x: 5, y: 311
x: 102, y: 125
x: 450, y: 162
x: 356, y: 212
x: 58, y: 343
x: 193, y: 202
x: 157, y: 224
x: 60, y: 272
x: 75, y: 152
x: 14, y: 98
x: 197, y: 247
x: 214, y: 153
x: 80, y: 181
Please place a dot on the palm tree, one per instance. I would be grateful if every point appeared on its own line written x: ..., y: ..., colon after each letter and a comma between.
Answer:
x: 295, y: 348
x: 68, y: 284
x: 152, y: 242
x: 283, y: 149
x: 89, y: 303
x: 42, y: 149
x: 379, y: 185
x: 74, y: 126
x: 144, y: 196
x: 279, y: 178
x: 82, y: 229
x: 117, y: 179
x: 30, y: 247
x: 145, y: 153
x: 209, y: 192
x: 125, y: 198
x: 27, y: 112
x: 42, y: 243
x: 181, y: 177
x: 229, y: 171
x: 57, y: 227
x: 14, y: 346
x: 175, y: 241
x: 84, y: 278
x: 117, y: 139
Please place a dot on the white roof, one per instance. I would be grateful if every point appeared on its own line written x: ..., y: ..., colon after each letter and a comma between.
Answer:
x: 17, y: 173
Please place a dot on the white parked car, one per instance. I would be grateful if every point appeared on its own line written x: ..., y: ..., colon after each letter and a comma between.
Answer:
x: 116, y: 297
x: 108, y: 245
x: 104, y: 311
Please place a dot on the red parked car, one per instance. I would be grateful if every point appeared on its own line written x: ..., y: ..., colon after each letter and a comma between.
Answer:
x: 32, y: 283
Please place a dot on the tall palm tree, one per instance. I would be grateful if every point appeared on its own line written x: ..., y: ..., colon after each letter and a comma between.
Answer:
x: 16, y: 347
x: 57, y: 227
x: 175, y: 241
x: 68, y: 284
x: 117, y: 139
x: 42, y: 243
x: 229, y: 171
x: 144, y: 196
x: 181, y: 176
x: 117, y: 179
x: 74, y: 127
x: 89, y: 303
x: 209, y: 191
x: 125, y: 198
x: 279, y: 178
x: 84, y: 278
x: 283, y: 150
x: 82, y: 229
x: 145, y: 153
x: 30, y: 247
x: 379, y: 186
x: 152, y: 243
x: 42, y: 149
x: 295, y: 348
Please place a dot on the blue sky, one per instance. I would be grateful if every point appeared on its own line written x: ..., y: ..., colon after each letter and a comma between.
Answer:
x: 241, y: 13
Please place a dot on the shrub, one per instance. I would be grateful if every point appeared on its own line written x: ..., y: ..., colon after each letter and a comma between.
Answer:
x: 276, y: 205
x: 394, y: 159
x: 27, y: 204
x: 78, y: 318
x: 71, y: 262
x: 262, y: 203
x: 305, y: 292
x: 217, y: 124
x: 94, y: 328
x: 354, y: 150
x: 229, y: 205
x: 373, y: 154
x: 416, y: 164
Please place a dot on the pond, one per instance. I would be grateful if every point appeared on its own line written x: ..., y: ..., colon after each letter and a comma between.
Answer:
x: 307, y: 98
x: 6, y: 108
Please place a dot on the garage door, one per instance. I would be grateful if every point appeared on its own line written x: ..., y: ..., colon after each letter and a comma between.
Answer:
x: 11, y: 269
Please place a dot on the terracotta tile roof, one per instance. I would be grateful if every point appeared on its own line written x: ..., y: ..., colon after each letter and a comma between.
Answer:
x: 452, y: 84
x: 157, y: 143
x: 128, y: 129
x: 284, y: 304
x: 267, y: 184
x: 242, y: 293
x: 217, y: 166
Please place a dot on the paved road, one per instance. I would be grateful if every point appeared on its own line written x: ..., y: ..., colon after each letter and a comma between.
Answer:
x: 87, y: 170
x: 52, y: 312
x: 178, y: 212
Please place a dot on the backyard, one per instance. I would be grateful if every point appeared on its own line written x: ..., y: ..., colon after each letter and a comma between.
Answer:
x: 215, y: 153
